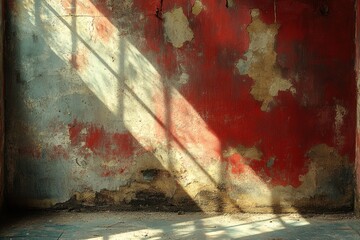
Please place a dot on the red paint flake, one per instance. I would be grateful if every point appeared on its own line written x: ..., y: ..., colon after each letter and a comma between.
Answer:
x: 74, y: 132
x: 94, y: 141
x: 236, y: 162
x: 109, y: 146
x: 123, y: 145
x: 95, y: 138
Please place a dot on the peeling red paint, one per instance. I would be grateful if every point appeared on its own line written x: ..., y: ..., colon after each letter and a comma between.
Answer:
x: 109, y: 146
x: 74, y: 132
x: 237, y: 164
x: 213, y: 110
x: 315, y: 61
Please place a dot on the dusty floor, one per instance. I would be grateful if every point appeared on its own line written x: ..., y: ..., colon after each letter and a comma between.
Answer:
x: 149, y: 225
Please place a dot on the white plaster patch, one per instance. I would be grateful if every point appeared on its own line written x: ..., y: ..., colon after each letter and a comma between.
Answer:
x: 177, y: 30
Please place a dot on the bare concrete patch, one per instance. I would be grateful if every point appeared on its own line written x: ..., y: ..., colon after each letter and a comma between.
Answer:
x: 230, y: 3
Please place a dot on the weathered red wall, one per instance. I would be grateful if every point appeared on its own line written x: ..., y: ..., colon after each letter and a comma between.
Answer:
x: 252, y: 92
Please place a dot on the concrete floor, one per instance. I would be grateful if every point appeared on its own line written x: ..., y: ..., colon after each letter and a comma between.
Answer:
x: 148, y: 225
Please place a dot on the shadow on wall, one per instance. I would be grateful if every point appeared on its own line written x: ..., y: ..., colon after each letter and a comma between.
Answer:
x: 101, y: 119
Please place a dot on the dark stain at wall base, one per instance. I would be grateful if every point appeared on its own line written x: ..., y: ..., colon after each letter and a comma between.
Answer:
x: 143, y: 201
x: 209, y: 201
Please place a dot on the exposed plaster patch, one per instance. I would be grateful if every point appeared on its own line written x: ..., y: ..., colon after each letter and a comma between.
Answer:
x: 340, y: 113
x: 259, y: 63
x: 324, y: 156
x: 230, y: 3
x: 197, y: 7
x: 177, y: 30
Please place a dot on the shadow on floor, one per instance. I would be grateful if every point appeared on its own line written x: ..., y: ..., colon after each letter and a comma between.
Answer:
x: 160, y: 225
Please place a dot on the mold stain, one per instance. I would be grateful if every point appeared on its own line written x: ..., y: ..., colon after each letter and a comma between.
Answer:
x: 325, y: 165
x: 259, y: 63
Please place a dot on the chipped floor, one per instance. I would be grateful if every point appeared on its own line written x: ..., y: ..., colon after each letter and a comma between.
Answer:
x: 159, y: 225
